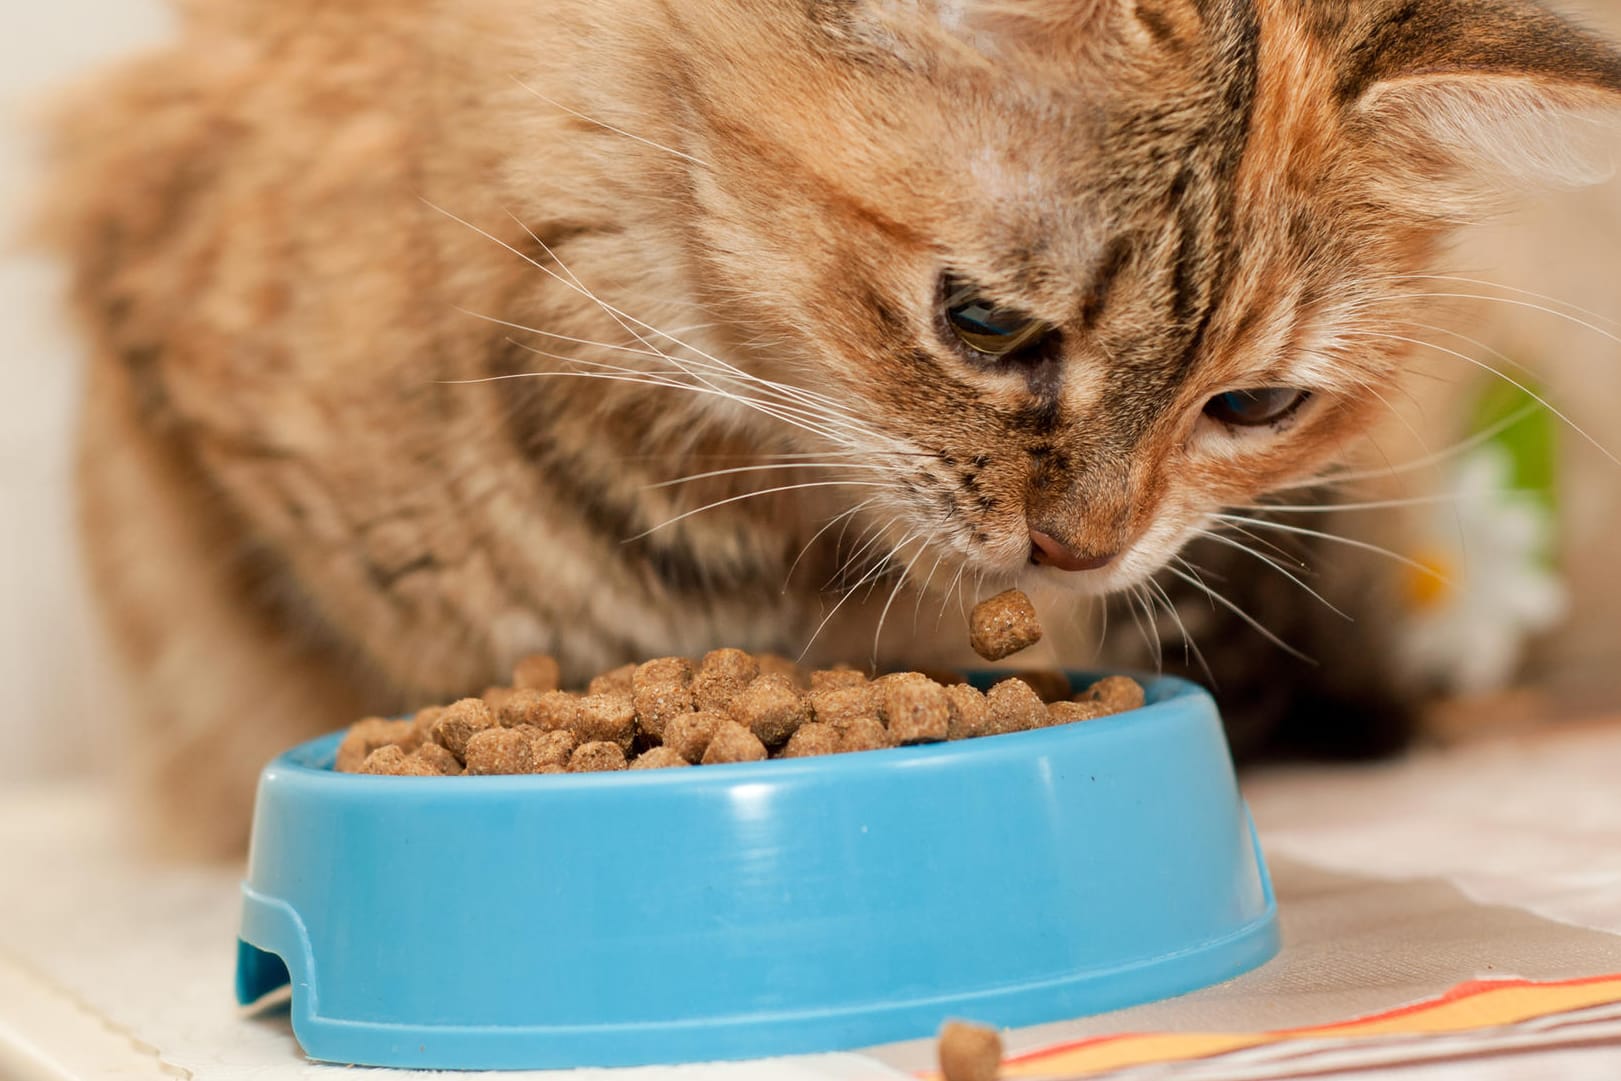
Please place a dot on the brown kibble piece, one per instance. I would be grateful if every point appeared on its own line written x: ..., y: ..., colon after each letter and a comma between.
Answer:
x: 1117, y: 693
x: 501, y: 750
x: 550, y: 751
x: 864, y: 734
x: 497, y: 698
x: 838, y: 706
x: 970, y: 713
x: 914, y: 711
x: 1002, y: 625
x: 598, y: 757
x: 1015, y: 707
x: 537, y: 672
x: 456, y: 725
x: 732, y: 742
x: 969, y: 1052
x: 550, y: 711
x: 774, y: 664
x: 422, y: 724
x: 390, y: 761
x: 659, y: 758
x: 1050, y: 683
x: 616, y: 679
x: 437, y: 758
x: 813, y: 739
x: 771, y: 708
x: 1071, y: 712
x: 366, y: 736
x: 827, y: 679
x: 610, y: 717
x: 689, y: 733
x: 661, y: 690
x: 721, y: 676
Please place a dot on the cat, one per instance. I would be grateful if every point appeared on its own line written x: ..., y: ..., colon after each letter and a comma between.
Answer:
x: 433, y: 333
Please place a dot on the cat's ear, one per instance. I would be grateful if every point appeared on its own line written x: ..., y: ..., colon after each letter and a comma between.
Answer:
x: 1466, y: 101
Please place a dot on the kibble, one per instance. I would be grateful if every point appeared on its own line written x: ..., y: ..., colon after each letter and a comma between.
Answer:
x: 732, y: 742
x: 1118, y: 693
x: 838, y: 706
x: 733, y: 707
x: 813, y: 739
x: 1073, y: 712
x: 438, y: 759
x: 1014, y: 707
x: 537, y: 672
x: 598, y: 757
x: 501, y: 750
x: 457, y: 723
x: 688, y: 734
x: 661, y: 690
x: 1051, y: 684
x: 608, y: 717
x: 828, y: 679
x: 914, y: 710
x: 550, y: 711
x: 497, y: 698
x: 390, y: 761
x: 422, y: 724
x: 865, y: 734
x: 969, y: 1052
x: 772, y: 664
x: 1003, y: 625
x: 616, y: 679
x: 659, y: 758
x: 770, y: 707
x: 721, y: 676
x: 970, y: 713
x: 367, y: 736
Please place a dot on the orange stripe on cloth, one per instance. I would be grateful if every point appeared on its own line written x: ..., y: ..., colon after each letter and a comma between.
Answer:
x: 1478, y: 1004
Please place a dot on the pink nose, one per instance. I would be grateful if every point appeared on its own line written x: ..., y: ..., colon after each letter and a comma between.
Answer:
x: 1048, y: 551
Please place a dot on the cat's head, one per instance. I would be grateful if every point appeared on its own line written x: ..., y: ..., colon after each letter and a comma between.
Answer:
x: 1068, y: 276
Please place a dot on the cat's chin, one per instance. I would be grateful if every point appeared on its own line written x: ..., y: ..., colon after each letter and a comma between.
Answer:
x: 1098, y: 583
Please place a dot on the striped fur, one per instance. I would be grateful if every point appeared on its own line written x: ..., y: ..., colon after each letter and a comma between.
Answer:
x: 347, y: 447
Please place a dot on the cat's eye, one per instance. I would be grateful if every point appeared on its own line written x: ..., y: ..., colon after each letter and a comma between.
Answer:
x: 987, y: 327
x: 1253, y: 408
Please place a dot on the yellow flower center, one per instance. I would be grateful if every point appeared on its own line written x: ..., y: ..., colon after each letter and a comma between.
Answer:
x: 1432, y: 582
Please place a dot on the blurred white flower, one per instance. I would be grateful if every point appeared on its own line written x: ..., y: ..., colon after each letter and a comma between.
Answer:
x: 1489, y: 588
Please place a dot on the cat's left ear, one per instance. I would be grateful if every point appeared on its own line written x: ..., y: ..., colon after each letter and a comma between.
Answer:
x: 1468, y: 100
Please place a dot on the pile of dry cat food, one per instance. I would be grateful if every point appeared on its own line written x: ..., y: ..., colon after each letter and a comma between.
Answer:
x: 730, y: 706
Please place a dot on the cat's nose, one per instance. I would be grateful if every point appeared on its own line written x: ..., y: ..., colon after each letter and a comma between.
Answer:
x: 1049, y: 551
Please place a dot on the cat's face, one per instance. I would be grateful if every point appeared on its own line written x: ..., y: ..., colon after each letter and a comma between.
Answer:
x: 1076, y: 286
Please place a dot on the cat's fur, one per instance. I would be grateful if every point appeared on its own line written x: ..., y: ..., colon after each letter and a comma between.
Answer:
x: 323, y: 248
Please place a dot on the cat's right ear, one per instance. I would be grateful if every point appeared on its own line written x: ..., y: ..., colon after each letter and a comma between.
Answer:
x: 1466, y: 101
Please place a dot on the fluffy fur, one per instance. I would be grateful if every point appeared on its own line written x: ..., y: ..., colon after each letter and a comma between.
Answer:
x: 432, y: 333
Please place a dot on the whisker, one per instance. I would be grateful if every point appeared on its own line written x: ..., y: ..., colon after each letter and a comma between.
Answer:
x: 1188, y: 644
x: 1245, y: 616
x: 1247, y: 550
x: 845, y: 516
x: 604, y: 124
x: 764, y: 468
x: 753, y: 495
x: 1466, y: 358
x: 1349, y: 542
x: 1485, y: 435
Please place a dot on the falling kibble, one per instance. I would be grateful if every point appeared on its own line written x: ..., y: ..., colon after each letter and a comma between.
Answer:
x: 1003, y: 625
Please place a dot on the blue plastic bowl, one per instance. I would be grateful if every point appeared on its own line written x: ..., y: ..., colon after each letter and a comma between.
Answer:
x: 752, y: 910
